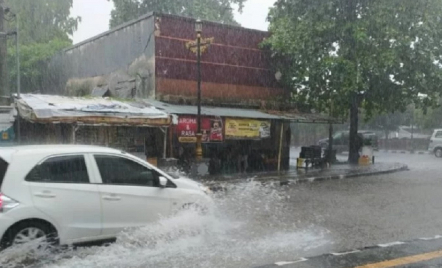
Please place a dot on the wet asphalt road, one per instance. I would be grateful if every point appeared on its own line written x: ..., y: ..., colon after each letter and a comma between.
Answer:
x: 366, y: 211
x: 258, y: 225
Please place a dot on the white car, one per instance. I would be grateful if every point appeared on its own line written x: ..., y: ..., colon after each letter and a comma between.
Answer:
x: 74, y: 194
x: 436, y: 143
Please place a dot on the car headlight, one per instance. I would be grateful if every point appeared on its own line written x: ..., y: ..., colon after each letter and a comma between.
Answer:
x: 204, y: 189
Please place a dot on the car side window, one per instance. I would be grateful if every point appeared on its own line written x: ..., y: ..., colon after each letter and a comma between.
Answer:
x: 438, y: 134
x: 123, y: 171
x: 60, y: 169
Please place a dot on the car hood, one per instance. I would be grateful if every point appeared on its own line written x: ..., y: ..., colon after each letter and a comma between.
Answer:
x: 187, y: 183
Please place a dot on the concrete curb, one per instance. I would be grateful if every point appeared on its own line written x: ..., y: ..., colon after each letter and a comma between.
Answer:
x: 403, y: 167
x: 218, y: 186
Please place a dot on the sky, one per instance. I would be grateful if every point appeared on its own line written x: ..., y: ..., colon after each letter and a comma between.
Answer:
x: 95, y: 16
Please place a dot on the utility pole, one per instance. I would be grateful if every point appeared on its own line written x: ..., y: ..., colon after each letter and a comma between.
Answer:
x: 3, y: 55
x: 199, y: 149
x: 199, y: 46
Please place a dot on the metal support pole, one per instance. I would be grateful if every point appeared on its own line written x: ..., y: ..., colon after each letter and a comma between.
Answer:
x: 280, y: 146
x: 74, y: 130
x: 17, y: 51
x: 330, y: 143
x: 412, y: 130
x: 330, y: 137
x: 199, y: 149
x: 164, y: 130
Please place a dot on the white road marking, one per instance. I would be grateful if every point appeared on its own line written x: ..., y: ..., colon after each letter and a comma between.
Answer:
x: 282, y: 263
x: 345, y: 253
x: 391, y: 244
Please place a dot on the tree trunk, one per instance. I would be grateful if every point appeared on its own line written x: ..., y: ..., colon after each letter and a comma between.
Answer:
x: 353, y: 155
x: 330, y: 143
x: 350, y: 44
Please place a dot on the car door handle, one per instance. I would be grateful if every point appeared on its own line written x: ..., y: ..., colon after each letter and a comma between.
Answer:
x: 45, y: 194
x: 111, y: 197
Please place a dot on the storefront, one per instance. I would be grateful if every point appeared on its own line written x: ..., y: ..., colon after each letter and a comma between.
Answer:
x: 235, y: 140
x: 138, y: 129
x: 232, y: 144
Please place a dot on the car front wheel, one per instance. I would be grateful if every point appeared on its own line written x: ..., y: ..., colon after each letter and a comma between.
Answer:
x: 438, y: 152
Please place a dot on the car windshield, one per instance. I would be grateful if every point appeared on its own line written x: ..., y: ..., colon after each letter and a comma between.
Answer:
x: 221, y: 133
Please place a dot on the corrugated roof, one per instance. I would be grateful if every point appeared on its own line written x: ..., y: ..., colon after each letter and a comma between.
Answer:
x: 210, y: 111
x: 305, y: 117
x: 53, y: 108
x: 243, y: 113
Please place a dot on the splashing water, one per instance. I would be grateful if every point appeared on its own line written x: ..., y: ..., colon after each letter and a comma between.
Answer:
x: 249, y: 226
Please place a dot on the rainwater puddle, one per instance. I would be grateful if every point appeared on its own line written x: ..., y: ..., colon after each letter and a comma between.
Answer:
x: 249, y: 226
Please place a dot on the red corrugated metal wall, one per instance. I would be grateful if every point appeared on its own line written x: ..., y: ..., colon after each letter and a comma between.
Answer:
x: 233, y: 69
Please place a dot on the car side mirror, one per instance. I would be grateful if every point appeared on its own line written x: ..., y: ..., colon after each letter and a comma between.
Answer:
x: 163, y: 181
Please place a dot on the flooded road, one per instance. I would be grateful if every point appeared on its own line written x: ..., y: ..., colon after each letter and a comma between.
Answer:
x: 248, y: 227
x: 254, y: 225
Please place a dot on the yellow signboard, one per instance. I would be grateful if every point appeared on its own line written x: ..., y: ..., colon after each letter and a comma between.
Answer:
x: 187, y: 139
x: 247, y: 128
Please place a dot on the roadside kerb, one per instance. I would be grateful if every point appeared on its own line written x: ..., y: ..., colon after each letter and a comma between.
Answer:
x: 344, y: 176
x: 284, y: 180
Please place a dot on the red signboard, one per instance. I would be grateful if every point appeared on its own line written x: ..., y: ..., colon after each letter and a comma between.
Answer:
x: 211, y: 128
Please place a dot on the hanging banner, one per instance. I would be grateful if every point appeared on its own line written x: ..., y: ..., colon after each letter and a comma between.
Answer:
x: 211, y: 128
x: 247, y: 128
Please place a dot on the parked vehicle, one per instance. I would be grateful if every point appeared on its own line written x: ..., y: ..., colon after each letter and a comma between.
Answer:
x: 71, y: 194
x: 341, y: 140
x: 436, y: 143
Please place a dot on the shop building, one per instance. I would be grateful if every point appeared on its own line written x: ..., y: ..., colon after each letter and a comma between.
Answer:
x: 132, y: 127
x: 245, y: 114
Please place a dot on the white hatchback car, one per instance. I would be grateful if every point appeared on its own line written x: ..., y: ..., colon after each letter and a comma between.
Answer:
x: 77, y: 194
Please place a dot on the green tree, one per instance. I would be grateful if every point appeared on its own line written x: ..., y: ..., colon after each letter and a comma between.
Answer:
x: 372, y: 54
x: 45, y: 27
x: 212, y: 10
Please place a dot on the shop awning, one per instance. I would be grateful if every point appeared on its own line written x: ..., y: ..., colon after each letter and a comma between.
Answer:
x: 291, y: 116
x: 209, y: 110
x: 297, y: 117
x: 88, y: 111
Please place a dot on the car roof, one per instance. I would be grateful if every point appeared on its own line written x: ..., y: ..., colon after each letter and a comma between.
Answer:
x: 6, y: 153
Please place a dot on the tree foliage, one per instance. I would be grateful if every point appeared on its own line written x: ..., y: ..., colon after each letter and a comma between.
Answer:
x: 43, y: 20
x: 33, y: 64
x: 213, y: 10
x: 45, y: 27
x: 379, y: 54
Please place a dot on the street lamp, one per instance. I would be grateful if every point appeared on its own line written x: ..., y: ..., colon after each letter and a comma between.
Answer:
x: 199, y: 46
x: 198, y: 30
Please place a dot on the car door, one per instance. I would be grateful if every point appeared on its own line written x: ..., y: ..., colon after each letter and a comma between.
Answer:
x: 130, y: 193
x: 61, y: 188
